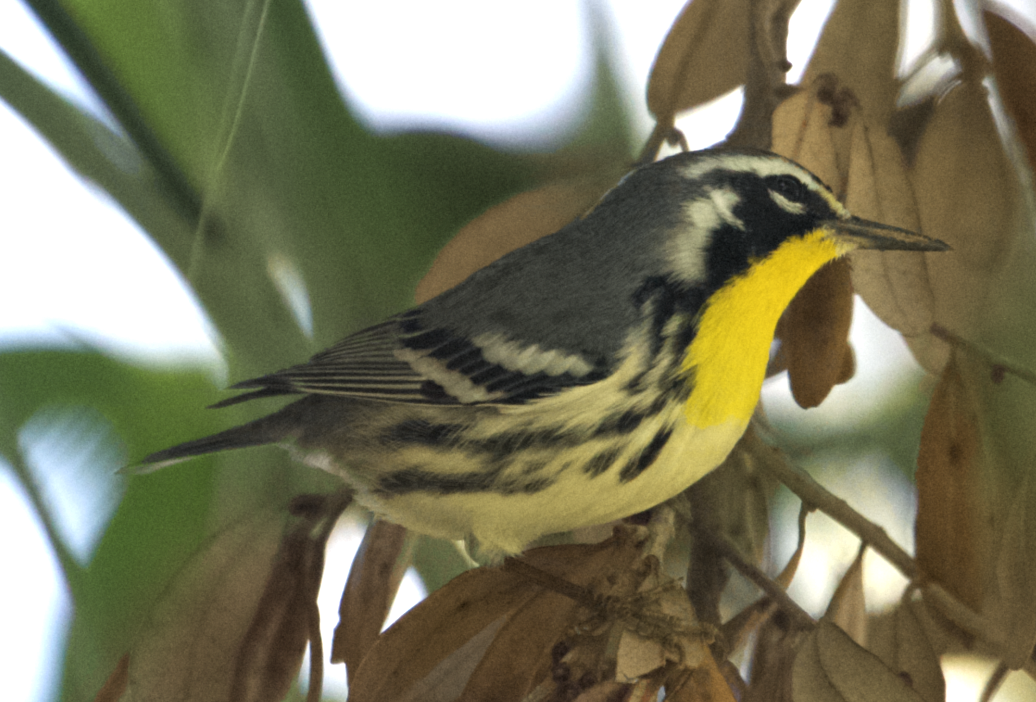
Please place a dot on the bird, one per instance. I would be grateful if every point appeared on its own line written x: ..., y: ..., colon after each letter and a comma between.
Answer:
x: 587, y: 376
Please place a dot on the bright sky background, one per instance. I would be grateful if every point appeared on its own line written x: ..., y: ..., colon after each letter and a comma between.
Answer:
x: 80, y: 270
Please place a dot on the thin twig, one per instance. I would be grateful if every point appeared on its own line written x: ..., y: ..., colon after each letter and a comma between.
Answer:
x: 815, y: 495
x: 767, y: 64
x: 799, y: 617
x: 551, y: 582
x: 874, y: 537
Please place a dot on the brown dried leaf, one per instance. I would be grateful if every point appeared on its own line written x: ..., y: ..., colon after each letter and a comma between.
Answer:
x: 511, y: 664
x: 234, y: 623
x: 432, y: 644
x: 900, y: 641
x: 705, y: 683
x: 520, y: 654
x: 814, y: 331
x: 949, y: 536
x: 831, y: 667
x: 508, y: 226
x: 859, y: 45
x: 968, y: 196
x: 848, y: 609
x: 811, y: 131
x: 704, y: 56
x: 894, y: 285
x: 1016, y: 573
x: 116, y: 684
x: 774, y: 654
x: 608, y: 692
x: 1014, y: 66
x: 189, y: 648
x: 374, y: 579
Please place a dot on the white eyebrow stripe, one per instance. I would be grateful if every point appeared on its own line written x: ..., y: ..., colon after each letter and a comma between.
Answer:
x: 763, y: 166
x: 786, y: 204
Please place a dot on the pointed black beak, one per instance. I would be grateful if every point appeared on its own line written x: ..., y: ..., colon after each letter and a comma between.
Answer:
x: 863, y: 234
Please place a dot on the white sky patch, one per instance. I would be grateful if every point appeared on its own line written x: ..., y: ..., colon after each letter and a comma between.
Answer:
x: 504, y: 72
x: 341, y: 549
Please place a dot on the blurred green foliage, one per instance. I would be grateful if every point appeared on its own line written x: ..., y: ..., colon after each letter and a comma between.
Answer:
x: 236, y: 153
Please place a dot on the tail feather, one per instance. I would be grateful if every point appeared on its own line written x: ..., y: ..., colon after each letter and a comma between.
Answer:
x: 261, y: 431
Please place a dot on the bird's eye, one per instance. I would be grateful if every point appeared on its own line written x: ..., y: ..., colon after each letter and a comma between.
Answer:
x: 788, y: 186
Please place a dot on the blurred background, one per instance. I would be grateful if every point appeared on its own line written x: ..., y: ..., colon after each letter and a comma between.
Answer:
x: 76, y: 272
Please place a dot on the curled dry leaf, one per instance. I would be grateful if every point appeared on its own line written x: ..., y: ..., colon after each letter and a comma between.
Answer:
x: 810, y: 128
x: 894, y: 285
x: 1016, y: 573
x: 1014, y: 66
x: 814, y: 333
x: 847, y: 609
x: 508, y: 226
x: 950, y: 539
x: 627, y: 622
x: 901, y: 642
x: 859, y: 45
x: 234, y: 623
x: 814, y: 128
x: 430, y: 648
x: 704, y: 56
x: 831, y: 667
x: 374, y: 579
x: 967, y: 195
x: 772, y: 659
x: 704, y: 683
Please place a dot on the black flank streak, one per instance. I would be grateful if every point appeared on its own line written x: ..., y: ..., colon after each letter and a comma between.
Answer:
x: 533, y: 467
x: 660, y: 294
x: 621, y: 424
x: 504, y: 445
x: 637, y: 465
x: 601, y: 462
x: 402, y: 482
x: 419, y: 431
x: 416, y: 479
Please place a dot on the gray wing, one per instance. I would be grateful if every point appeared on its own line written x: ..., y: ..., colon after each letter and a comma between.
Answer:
x: 406, y: 359
x: 553, y: 314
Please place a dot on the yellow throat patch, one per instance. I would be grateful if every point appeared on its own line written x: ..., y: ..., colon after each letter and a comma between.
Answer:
x: 727, y: 359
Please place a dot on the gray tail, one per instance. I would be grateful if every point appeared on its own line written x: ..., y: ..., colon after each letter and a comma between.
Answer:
x: 266, y: 430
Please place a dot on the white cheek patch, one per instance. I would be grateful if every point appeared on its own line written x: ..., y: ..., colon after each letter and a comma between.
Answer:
x: 787, y: 205
x: 725, y: 200
x: 702, y: 217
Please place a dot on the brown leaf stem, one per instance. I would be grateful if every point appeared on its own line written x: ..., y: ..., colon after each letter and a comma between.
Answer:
x: 817, y: 496
x: 800, y: 619
x: 814, y: 494
x: 998, y: 364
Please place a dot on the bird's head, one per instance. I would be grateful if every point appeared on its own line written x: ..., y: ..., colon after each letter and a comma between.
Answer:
x: 742, y: 207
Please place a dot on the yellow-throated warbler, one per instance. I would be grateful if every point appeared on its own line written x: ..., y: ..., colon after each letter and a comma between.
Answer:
x: 587, y: 376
